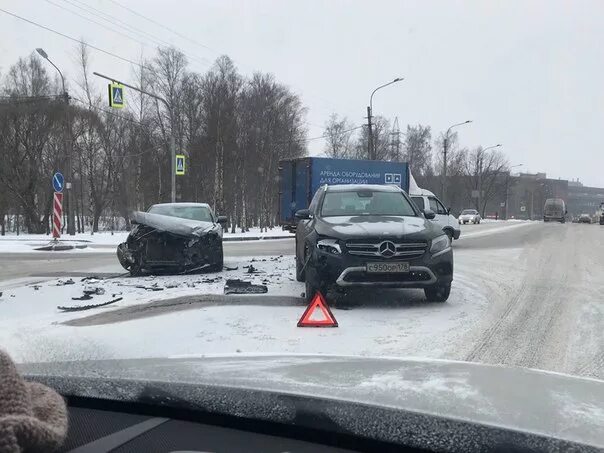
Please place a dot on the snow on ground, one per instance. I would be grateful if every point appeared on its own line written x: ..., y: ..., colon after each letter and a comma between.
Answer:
x: 105, y: 241
x: 382, y: 323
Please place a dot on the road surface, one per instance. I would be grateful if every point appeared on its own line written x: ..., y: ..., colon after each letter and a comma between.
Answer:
x: 525, y: 295
x: 44, y: 264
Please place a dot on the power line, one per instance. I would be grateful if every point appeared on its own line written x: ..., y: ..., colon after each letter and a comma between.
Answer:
x: 95, y: 22
x: 113, y: 20
x: 74, y: 39
x: 319, y: 137
x: 136, y: 13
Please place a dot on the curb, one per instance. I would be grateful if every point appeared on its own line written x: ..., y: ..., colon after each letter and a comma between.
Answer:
x: 256, y: 238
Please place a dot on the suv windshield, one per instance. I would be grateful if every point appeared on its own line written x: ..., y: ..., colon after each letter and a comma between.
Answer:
x: 200, y: 213
x: 366, y: 202
x: 468, y: 212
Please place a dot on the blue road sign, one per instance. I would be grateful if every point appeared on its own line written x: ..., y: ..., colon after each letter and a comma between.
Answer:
x: 58, y: 182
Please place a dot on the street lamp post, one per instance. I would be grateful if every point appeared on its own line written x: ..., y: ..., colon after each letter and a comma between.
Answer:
x: 172, y: 124
x: 67, y: 138
x: 445, y: 149
x: 507, y: 193
x: 480, y: 154
x: 371, y: 148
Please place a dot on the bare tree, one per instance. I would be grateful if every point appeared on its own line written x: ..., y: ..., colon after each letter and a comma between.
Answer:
x: 338, y: 134
x: 381, y: 140
x: 483, y: 169
x: 418, y: 149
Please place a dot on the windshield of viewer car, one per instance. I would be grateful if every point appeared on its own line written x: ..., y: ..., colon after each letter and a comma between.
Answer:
x: 200, y: 213
x: 366, y: 203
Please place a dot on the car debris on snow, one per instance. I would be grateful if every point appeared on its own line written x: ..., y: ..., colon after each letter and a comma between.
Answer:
x: 236, y: 286
x: 88, y: 307
x: 65, y: 282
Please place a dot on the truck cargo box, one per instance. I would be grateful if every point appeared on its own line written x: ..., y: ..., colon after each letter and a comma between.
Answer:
x: 300, y: 179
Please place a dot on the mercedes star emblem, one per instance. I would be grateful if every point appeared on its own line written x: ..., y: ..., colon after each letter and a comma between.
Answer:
x: 387, y: 249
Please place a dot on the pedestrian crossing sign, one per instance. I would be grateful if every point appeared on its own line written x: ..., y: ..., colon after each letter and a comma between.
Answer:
x: 116, y: 95
x: 180, y: 164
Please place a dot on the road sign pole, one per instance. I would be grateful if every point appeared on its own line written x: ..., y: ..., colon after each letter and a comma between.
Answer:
x: 57, y: 214
x: 173, y: 153
x: 172, y: 125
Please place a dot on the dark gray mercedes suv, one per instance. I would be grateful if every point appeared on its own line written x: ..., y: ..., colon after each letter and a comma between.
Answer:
x: 371, y: 236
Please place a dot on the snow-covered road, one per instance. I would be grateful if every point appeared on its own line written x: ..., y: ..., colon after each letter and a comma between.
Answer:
x: 526, y: 295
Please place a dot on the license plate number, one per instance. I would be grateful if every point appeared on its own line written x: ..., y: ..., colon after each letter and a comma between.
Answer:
x: 387, y: 268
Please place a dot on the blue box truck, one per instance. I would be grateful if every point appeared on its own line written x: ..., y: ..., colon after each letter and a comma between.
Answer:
x: 300, y: 178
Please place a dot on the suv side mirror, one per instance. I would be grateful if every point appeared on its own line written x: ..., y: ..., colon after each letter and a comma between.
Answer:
x: 429, y: 214
x: 448, y: 210
x: 222, y: 220
x: 303, y: 214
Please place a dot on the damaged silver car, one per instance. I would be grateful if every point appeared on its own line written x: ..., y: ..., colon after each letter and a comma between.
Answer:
x: 174, y: 238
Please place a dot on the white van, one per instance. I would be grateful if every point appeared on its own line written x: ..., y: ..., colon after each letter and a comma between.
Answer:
x: 424, y: 199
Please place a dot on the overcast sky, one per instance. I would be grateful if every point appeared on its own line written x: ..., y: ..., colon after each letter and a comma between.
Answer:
x: 528, y: 73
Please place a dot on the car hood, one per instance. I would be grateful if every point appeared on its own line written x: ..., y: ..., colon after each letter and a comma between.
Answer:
x: 531, y: 401
x: 344, y: 227
x: 174, y: 225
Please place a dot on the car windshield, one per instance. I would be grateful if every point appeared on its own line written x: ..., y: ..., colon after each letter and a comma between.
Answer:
x: 365, y: 203
x: 183, y: 179
x: 200, y: 213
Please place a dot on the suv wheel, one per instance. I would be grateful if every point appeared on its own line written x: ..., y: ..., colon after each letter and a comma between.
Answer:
x: 313, y: 283
x: 438, y: 293
x: 219, y: 263
x: 300, y: 266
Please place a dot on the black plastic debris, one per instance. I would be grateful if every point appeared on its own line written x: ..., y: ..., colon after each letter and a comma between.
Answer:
x: 211, y: 280
x: 88, y: 307
x: 36, y: 287
x: 0, y: 293
x: 236, y: 286
x: 84, y: 297
x: 65, y: 282
x: 251, y: 269
x: 91, y: 279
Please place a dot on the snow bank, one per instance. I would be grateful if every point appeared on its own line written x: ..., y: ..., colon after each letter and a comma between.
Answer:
x: 26, y: 243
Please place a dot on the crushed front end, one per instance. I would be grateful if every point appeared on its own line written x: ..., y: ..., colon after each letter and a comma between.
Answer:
x: 153, y: 250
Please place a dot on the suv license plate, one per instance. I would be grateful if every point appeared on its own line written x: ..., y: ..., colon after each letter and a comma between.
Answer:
x: 387, y: 268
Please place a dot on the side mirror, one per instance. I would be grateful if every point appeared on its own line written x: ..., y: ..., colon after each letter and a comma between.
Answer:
x: 448, y: 210
x: 222, y: 220
x: 429, y: 214
x: 303, y: 214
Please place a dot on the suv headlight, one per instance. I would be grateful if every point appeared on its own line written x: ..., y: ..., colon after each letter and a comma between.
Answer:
x: 440, y: 243
x: 329, y: 246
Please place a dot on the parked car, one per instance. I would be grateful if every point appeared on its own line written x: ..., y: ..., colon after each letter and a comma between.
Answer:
x: 469, y: 216
x: 371, y: 236
x: 173, y: 238
x: 584, y: 218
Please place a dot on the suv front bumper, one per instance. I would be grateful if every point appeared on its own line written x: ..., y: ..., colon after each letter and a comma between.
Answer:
x: 350, y: 271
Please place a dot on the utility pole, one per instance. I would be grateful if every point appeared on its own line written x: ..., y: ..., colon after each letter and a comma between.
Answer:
x: 395, y: 143
x: 371, y: 147
x: 445, y: 149
x: 370, y: 154
x: 172, y: 124
x: 69, y: 199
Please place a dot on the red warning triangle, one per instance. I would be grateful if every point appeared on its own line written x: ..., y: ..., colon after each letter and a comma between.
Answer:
x: 317, y: 314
